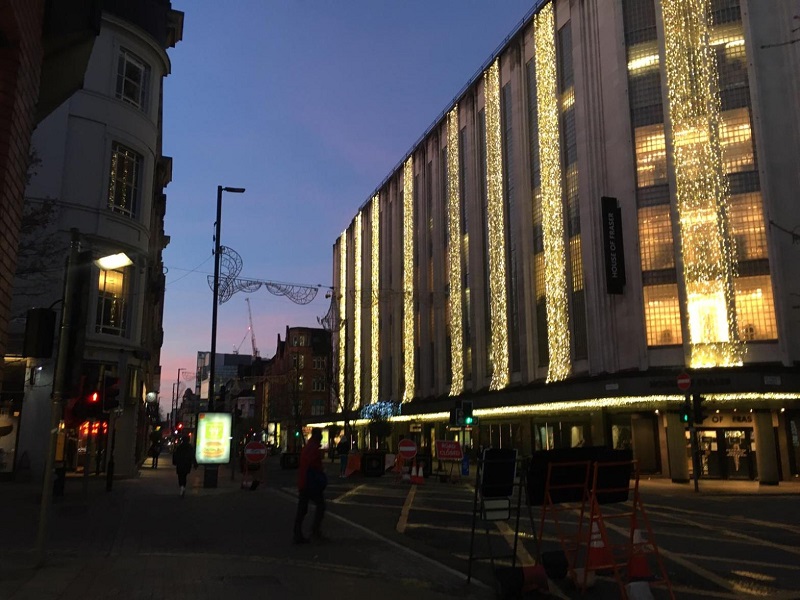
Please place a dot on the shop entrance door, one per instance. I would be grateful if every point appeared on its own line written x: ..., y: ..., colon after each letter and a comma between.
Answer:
x: 725, y: 453
x: 710, y: 459
x: 738, y: 458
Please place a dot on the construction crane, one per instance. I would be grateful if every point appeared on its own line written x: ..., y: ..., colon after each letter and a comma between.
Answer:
x: 252, y: 332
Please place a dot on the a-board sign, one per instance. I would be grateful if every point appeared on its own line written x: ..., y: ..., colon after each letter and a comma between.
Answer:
x: 213, y: 438
x: 448, y: 450
x: 255, y: 452
x: 499, y: 471
x: 407, y: 448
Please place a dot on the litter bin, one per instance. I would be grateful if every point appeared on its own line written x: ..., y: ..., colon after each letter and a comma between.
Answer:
x: 372, y: 463
x: 210, y: 476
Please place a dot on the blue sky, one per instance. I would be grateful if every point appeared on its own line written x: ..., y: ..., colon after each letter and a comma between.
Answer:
x: 309, y: 105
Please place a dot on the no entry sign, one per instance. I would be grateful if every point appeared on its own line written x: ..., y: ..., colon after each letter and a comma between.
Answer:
x: 684, y: 382
x: 255, y: 452
x: 407, y: 449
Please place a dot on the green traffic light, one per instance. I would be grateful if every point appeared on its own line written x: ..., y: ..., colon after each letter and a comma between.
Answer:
x: 468, y: 420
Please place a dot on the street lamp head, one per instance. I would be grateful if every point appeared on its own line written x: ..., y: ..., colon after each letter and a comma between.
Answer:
x: 233, y: 190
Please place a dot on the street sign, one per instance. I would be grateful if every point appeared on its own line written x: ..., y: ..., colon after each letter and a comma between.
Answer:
x: 407, y: 449
x: 684, y: 382
x: 255, y: 452
x: 448, y: 450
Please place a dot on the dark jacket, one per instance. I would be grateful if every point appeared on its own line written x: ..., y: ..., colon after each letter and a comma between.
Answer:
x: 343, y: 447
x: 183, y: 458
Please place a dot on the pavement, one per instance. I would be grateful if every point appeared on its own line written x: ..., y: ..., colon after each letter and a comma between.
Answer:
x: 142, y: 540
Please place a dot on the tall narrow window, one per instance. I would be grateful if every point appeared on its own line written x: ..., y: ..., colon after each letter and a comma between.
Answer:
x: 124, y: 180
x: 133, y: 75
x: 111, y: 305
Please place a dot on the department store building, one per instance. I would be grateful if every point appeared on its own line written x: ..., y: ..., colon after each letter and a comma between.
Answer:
x: 608, y: 207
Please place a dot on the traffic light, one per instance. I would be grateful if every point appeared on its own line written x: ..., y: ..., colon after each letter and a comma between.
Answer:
x: 685, y: 412
x: 456, y: 417
x: 110, y: 392
x: 466, y: 410
x: 93, y: 406
x: 698, y: 409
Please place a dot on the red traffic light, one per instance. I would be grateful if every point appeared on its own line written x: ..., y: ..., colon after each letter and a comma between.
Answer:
x: 93, y: 397
x: 179, y: 426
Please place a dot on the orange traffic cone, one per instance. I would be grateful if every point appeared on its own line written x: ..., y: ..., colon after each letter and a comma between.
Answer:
x: 638, y: 568
x: 598, y: 556
x: 417, y: 474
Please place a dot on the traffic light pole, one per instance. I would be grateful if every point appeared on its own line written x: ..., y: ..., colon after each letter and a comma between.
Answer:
x: 65, y: 337
x: 695, y: 450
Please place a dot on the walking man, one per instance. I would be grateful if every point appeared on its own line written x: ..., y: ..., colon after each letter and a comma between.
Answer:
x: 184, y: 460
x: 155, y: 452
x: 311, y: 483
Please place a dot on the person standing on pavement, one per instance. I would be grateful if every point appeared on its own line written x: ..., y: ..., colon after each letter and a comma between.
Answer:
x: 155, y: 452
x: 183, y: 458
x: 342, y: 449
x: 311, y: 483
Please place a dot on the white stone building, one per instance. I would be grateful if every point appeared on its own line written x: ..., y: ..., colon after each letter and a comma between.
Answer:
x: 100, y: 170
x: 609, y: 203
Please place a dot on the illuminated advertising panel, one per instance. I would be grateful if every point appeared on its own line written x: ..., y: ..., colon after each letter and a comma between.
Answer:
x: 213, y: 438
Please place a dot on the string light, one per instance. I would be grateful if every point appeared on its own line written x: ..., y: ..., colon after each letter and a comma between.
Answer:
x: 375, y: 306
x: 498, y: 308
x: 342, y: 332
x: 652, y: 402
x: 454, y: 254
x: 558, y: 336
x: 702, y: 195
x: 359, y: 302
x: 408, y: 278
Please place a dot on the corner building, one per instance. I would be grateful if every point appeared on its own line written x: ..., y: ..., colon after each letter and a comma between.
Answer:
x: 100, y: 170
x: 607, y: 205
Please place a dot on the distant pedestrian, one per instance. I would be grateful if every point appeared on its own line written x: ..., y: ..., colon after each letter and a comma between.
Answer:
x: 155, y: 452
x: 311, y: 483
x: 183, y: 458
x: 342, y: 449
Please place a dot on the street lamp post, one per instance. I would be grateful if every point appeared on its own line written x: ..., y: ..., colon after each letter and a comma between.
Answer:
x: 176, y: 400
x: 210, y: 477
x: 213, y: 359
x: 59, y: 389
x: 67, y: 346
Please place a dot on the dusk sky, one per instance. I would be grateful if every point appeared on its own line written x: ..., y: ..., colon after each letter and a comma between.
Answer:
x: 309, y: 105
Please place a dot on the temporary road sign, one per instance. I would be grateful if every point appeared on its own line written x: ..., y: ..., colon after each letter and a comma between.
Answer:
x: 684, y: 382
x: 407, y: 449
x: 448, y: 450
x: 255, y: 452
